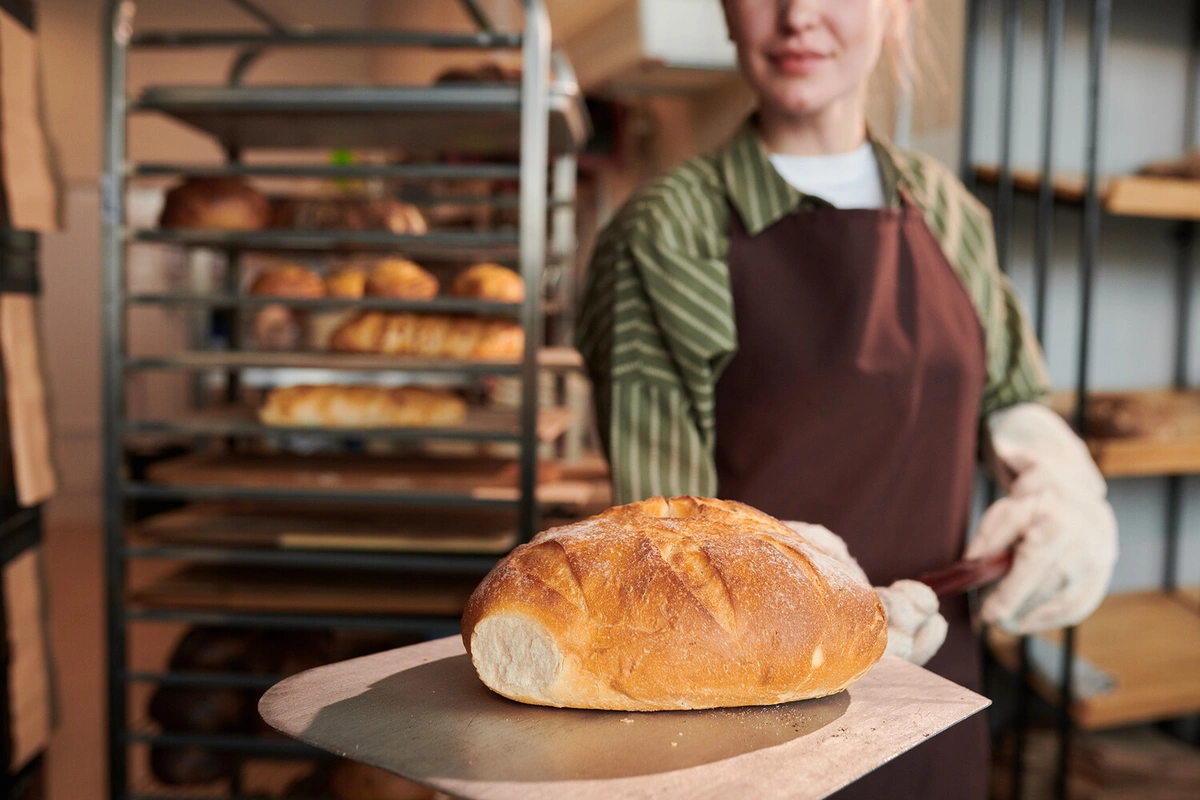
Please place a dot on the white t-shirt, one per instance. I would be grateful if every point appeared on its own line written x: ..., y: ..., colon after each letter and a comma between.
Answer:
x: 846, y: 180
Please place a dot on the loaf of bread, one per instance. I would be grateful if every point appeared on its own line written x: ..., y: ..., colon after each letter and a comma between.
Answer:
x: 430, y: 336
x: 350, y: 282
x: 348, y: 214
x: 228, y: 204
x: 289, y: 280
x: 400, y: 279
x: 489, y: 282
x: 487, y: 72
x: 363, y: 407
x: 672, y: 604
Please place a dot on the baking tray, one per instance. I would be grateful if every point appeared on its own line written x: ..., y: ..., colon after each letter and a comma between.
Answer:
x: 421, y: 712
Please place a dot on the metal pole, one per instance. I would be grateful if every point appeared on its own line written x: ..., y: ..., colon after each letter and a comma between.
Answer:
x: 1005, y: 196
x: 119, y: 16
x: 1066, y: 697
x: 1044, y: 242
x: 1020, y: 718
x: 535, y: 146
x: 966, y: 165
x: 562, y: 246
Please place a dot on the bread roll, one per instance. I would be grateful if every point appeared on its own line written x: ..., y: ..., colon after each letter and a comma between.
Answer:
x: 363, y: 407
x: 215, y: 204
x: 487, y: 72
x: 489, y: 282
x: 179, y: 766
x: 201, y: 709
x: 350, y: 282
x: 289, y: 280
x: 672, y: 604
x: 400, y: 279
x: 430, y: 336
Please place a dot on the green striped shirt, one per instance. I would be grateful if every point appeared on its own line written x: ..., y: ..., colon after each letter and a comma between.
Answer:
x: 656, y: 325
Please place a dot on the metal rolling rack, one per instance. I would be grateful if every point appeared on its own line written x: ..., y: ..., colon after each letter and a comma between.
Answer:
x: 1094, y: 198
x: 542, y: 119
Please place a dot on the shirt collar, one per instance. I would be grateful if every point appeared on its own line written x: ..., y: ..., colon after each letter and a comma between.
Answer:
x: 762, y: 197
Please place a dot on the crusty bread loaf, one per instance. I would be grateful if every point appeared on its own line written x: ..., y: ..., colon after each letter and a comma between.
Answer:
x: 289, y: 280
x: 430, y: 336
x: 350, y: 282
x: 401, y: 279
x: 215, y: 204
x: 348, y: 214
x: 363, y: 407
x: 489, y: 282
x: 672, y: 604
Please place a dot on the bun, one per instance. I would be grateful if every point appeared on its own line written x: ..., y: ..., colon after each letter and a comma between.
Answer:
x: 350, y: 282
x: 400, y: 279
x: 228, y: 204
x: 200, y: 709
x: 363, y: 407
x: 672, y: 604
x: 348, y: 214
x: 488, y: 72
x: 289, y: 280
x: 489, y: 282
x: 430, y: 336
x: 178, y: 766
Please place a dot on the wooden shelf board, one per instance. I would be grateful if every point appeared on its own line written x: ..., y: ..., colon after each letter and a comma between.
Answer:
x: 333, y: 528
x: 1149, y: 642
x: 1140, y: 433
x: 1122, y: 195
x: 305, y: 591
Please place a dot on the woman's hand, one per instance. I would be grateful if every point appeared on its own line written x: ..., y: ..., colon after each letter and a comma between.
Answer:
x: 1056, y: 516
x: 916, y: 630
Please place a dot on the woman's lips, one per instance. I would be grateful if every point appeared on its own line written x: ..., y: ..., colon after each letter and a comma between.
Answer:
x: 798, y: 63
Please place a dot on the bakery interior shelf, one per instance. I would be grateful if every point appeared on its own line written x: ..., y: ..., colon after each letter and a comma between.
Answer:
x: 1121, y: 195
x: 548, y: 358
x: 416, y: 172
x: 475, y: 118
x: 439, y: 305
x: 470, y: 244
x: 1149, y: 642
x: 1141, y: 433
x: 481, y: 424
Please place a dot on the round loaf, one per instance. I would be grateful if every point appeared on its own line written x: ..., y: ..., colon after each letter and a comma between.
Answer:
x: 289, y: 280
x: 489, y: 282
x: 400, y: 279
x: 672, y: 604
x: 215, y: 204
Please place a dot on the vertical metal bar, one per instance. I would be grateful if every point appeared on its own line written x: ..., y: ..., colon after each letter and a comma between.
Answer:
x: 562, y: 245
x: 476, y: 12
x: 119, y: 17
x: 1020, y: 719
x: 1170, y: 580
x: 1005, y: 196
x: 1044, y: 233
x: 1064, y: 713
x: 966, y: 152
x: 535, y: 147
x: 1101, y: 26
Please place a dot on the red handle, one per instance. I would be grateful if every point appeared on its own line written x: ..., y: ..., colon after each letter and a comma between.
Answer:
x: 962, y: 576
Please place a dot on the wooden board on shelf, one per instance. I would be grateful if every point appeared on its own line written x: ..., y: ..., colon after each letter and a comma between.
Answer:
x: 306, y: 591
x: 1141, y: 433
x: 1122, y: 195
x: 366, y: 473
x: 414, y: 530
x: 1150, y: 643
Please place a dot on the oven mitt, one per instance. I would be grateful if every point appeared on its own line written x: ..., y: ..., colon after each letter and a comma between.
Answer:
x: 915, y: 627
x: 1055, y: 516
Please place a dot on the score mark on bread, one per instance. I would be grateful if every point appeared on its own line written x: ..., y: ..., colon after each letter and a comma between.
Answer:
x: 685, y: 603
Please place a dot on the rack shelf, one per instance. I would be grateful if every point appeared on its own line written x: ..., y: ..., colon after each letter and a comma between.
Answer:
x: 1121, y: 195
x: 476, y: 118
x: 496, y: 245
x: 1149, y: 642
x: 482, y: 424
x: 439, y: 305
x: 1142, y: 433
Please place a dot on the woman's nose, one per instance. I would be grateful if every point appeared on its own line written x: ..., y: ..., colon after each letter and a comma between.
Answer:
x: 797, y: 15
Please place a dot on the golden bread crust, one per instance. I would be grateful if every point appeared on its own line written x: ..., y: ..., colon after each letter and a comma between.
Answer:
x: 489, y: 282
x: 363, y: 407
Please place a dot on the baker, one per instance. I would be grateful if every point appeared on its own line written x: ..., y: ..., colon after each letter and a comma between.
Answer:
x: 812, y: 321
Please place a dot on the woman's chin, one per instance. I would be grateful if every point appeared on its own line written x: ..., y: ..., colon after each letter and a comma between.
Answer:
x: 798, y: 101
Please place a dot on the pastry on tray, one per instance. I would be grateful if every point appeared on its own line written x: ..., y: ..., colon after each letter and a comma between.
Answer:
x: 430, y: 336
x: 400, y: 279
x: 489, y: 282
x: 289, y: 280
x: 349, y: 282
x: 228, y: 204
x: 348, y: 214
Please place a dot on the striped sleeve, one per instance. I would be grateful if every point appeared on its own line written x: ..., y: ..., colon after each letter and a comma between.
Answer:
x: 1016, y: 371
x: 655, y: 328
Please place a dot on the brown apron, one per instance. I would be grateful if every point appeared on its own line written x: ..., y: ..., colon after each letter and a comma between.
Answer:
x: 853, y: 402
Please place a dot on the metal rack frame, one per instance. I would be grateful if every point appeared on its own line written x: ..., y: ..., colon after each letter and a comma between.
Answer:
x: 1100, y: 30
x: 539, y: 114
